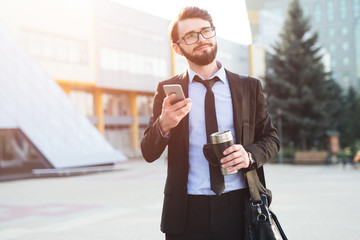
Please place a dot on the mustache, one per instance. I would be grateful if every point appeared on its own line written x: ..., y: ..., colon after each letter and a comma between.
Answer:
x: 202, y: 45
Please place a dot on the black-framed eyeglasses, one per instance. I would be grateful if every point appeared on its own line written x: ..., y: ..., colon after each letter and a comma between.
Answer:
x: 193, y: 37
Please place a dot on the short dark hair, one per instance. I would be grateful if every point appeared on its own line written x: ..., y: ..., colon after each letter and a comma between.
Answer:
x: 186, y: 13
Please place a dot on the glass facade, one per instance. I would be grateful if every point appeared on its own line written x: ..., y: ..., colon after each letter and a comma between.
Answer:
x: 116, y: 105
x: 133, y: 49
x: 306, y: 11
x: 35, y: 104
x: 18, y: 154
x: 101, y: 54
x: 332, y: 47
x: 333, y: 63
x: 357, y: 49
x: 346, y: 79
x: 317, y: 12
x: 343, y: 9
x: 331, y: 32
x: 113, y: 59
x: 330, y: 11
x: 337, y: 25
x: 84, y: 102
x: 337, y: 33
x: 344, y: 31
x: 144, y: 105
x: 55, y: 48
x: 356, y: 8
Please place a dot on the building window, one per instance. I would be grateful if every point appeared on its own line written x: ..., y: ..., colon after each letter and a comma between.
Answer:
x: 345, y: 46
x: 306, y: 11
x: 333, y: 63
x: 332, y: 47
x: 317, y: 12
x: 346, y: 61
x: 330, y: 11
x: 331, y: 32
x: 343, y: 9
x: 136, y: 63
x: 116, y: 105
x: 334, y: 76
x: 144, y: 105
x: 55, y: 48
x: 357, y: 47
x: 84, y: 102
x: 346, y: 79
x: 133, y: 32
x: 356, y: 8
x: 344, y: 31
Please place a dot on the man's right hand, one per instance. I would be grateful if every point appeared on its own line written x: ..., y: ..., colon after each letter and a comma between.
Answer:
x: 172, y: 114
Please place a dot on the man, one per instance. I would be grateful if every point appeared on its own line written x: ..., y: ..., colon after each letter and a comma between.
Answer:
x: 192, y: 210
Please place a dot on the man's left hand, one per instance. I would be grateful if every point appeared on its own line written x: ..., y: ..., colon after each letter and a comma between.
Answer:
x: 236, y: 158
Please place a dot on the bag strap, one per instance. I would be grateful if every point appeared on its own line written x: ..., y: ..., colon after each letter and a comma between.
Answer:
x: 256, y: 188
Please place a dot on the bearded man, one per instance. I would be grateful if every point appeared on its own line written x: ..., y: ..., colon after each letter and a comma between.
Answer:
x: 199, y: 202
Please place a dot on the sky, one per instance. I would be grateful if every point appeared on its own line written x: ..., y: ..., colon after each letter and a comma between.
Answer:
x: 229, y: 16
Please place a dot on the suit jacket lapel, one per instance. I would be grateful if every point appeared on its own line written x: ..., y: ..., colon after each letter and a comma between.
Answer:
x: 184, y: 124
x: 236, y: 90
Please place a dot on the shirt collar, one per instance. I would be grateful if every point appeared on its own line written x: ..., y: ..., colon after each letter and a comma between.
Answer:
x: 220, y: 73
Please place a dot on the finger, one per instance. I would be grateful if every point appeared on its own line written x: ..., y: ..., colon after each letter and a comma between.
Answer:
x: 244, y: 162
x: 168, y: 99
x: 231, y: 157
x: 233, y: 148
x: 236, y: 167
x: 185, y: 109
x: 232, y: 162
x: 182, y: 103
x: 176, y: 115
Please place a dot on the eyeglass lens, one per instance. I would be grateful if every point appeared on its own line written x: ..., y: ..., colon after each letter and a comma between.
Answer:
x: 193, y: 37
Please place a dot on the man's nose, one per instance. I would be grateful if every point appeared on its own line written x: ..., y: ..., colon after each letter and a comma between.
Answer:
x: 201, y: 38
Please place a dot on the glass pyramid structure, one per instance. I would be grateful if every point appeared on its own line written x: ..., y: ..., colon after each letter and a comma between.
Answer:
x: 32, y: 103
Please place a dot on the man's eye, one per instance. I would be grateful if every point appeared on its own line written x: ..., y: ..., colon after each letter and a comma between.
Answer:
x: 205, y: 31
x: 191, y: 35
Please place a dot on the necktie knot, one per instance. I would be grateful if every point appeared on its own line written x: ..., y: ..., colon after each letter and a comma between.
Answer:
x: 207, y: 83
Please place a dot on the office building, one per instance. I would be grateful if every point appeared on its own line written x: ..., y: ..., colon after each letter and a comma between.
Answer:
x: 336, y: 21
x: 106, y: 57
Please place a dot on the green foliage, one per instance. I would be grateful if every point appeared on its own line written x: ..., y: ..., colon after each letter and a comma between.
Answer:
x: 350, y: 121
x: 297, y: 83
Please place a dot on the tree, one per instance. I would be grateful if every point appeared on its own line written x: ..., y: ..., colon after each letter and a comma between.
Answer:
x: 350, y: 121
x: 297, y: 83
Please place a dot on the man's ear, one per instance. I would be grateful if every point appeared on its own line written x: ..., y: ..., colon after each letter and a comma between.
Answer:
x: 177, y: 49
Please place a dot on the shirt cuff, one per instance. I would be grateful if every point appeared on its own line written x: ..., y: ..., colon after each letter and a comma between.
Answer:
x: 252, y: 161
x: 166, y: 135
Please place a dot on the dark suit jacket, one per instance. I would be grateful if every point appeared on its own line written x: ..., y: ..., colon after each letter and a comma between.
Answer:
x: 253, y: 129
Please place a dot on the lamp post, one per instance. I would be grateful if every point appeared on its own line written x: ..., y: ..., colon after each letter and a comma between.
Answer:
x: 279, y: 126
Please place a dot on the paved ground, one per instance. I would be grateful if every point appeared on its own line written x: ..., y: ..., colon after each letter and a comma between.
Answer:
x: 312, y: 202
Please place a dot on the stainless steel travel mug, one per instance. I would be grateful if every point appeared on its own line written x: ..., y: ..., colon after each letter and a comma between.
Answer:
x: 221, y: 141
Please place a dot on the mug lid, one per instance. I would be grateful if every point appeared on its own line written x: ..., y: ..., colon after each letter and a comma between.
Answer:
x: 220, y: 137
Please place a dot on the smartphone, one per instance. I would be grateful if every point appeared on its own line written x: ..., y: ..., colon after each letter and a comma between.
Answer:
x: 174, y: 88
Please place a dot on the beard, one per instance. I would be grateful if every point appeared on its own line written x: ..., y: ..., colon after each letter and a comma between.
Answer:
x: 204, y: 58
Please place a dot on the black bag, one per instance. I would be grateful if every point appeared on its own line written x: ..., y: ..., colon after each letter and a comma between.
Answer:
x: 260, y: 222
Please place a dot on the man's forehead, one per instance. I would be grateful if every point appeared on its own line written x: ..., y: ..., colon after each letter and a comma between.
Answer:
x: 192, y: 24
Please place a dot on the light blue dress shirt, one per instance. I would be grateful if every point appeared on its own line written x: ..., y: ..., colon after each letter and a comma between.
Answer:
x: 199, y: 177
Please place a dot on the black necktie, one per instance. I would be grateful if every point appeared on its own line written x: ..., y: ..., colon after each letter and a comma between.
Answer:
x: 216, y: 177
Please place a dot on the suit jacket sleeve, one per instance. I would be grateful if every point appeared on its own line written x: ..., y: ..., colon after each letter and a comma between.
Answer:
x: 265, y: 144
x: 153, y: 143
